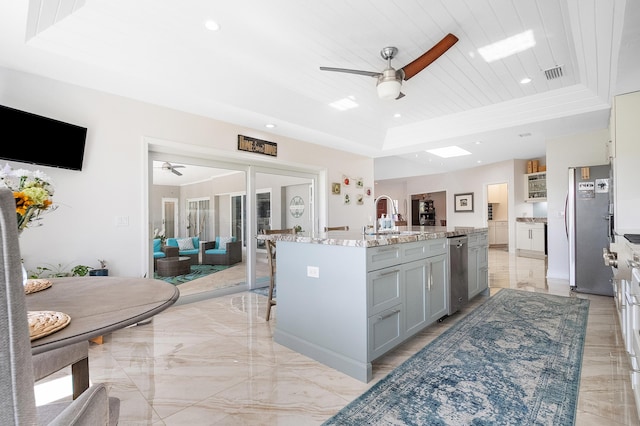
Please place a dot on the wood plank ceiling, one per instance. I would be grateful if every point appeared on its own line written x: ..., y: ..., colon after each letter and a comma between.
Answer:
x: 263, y: 66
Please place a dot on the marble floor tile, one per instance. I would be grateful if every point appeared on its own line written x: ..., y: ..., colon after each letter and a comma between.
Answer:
x: 214, y: 361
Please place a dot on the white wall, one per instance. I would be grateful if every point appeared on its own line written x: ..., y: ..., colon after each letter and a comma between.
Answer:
x: 473, y: 180
x: 110, y: 189
x: 588, y: 149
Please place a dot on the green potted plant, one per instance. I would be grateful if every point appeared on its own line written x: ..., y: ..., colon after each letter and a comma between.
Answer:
x: 80, y: 270
x: 102, y: 271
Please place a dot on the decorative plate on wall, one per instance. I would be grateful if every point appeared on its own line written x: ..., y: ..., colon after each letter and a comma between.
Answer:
x: 296, y: 206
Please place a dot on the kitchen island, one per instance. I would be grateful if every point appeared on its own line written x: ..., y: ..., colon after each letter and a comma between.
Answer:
x: 345, y: 299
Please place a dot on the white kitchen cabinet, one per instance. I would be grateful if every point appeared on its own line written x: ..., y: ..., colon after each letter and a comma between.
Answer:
x: 497, y: 193
x: 478, y: 266
x: 498, y: 232
x: 535, y: 187
x: 625, y: 150
x: 530, y: 239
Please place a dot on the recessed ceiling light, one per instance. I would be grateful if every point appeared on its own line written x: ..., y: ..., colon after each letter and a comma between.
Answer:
x: 397, y: 115
x: 270, y: 126
x: 508, y: 46
x: 344, y: 104
x: 479, y: 161
x: 449, y: 151
x: 525, y: 80
x: 211, y: 25
x: 478, y: 142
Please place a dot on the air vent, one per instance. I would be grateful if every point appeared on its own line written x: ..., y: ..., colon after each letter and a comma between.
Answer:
x: 553, y: 73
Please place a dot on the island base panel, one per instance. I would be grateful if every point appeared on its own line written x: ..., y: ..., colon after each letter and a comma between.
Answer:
x: 358, y: 370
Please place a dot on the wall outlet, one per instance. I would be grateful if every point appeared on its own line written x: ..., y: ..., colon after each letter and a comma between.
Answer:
x: 313, y: 271
x: 122, y: 221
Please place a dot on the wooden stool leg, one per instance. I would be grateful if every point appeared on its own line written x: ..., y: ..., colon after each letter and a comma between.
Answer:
x: 271, y: 302
x: 272, y: 281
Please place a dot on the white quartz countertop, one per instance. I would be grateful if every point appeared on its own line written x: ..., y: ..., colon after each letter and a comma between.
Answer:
x: 401, y: 234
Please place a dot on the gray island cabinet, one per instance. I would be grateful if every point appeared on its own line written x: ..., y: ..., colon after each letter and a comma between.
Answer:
x: 345, y: 299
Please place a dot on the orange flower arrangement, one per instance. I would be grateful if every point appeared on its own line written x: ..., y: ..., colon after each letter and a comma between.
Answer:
x: 32, y: 192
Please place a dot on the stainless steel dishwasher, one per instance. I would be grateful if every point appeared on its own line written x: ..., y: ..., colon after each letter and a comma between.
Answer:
x: 458, y: 272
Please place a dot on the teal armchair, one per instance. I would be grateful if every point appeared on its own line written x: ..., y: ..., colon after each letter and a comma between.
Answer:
x: 188, y: 247
x: 221, y: 251
x: 160, y: 252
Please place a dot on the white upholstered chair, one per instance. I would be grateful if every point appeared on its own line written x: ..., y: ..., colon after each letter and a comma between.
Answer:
x: 17, y: 397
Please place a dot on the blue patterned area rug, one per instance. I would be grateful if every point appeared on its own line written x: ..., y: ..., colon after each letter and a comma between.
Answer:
x: 197, y: 271
x: 514, y: 360
x: 264, y: 290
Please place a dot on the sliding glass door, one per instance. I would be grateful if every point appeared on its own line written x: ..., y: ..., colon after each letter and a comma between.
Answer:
x: 198, y: 213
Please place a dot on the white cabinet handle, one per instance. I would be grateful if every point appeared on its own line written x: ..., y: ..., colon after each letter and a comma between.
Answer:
x: 393, y: 271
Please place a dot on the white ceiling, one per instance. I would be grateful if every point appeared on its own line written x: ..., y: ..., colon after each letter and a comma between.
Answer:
x: 263, y: 67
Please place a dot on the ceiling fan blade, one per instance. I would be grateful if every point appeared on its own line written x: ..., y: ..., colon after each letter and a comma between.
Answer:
x: 175, y: 167
x: 429, y: 56
x: 176, y: 172
x: 369, y: 73
x: 400, y: 96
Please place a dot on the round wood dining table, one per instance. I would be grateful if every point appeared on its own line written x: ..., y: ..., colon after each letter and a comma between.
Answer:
x: 97, y: 306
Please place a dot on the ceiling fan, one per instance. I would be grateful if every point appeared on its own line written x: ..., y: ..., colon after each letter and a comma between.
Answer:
x: 170, y: 167
x: 390, y: 80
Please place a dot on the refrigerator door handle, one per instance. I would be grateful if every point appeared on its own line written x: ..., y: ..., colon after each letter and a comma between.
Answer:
x: 566, y: 224
x: 569, y: 218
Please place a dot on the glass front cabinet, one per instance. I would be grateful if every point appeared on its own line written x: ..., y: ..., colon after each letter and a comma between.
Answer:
x: 535, y: 187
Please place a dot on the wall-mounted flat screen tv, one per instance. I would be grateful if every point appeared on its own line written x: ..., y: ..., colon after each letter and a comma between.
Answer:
x: 34, y: 139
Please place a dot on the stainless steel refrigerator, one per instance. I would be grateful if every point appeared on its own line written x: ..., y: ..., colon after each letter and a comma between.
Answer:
x: 587, y: 222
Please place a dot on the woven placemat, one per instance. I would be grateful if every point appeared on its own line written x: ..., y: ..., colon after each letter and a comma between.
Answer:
x: 36, y: 284
x: 43, y: 323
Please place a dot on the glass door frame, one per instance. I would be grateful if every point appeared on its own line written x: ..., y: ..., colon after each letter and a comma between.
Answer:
x: 164, y: 150
x: 176, y: 217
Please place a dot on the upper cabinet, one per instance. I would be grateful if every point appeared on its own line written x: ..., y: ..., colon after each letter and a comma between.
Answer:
x: 535, y: 187
x: 497, y: 193
x: 625, y: 150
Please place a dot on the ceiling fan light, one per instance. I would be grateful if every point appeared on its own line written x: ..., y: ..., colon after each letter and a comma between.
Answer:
x: 389, y: 89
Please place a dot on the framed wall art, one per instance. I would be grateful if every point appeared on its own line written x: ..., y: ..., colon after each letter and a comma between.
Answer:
x: 335, y: 188
x: 463, y: 202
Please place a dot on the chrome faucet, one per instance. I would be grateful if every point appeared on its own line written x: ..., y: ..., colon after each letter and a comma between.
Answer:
x: 375, y: 208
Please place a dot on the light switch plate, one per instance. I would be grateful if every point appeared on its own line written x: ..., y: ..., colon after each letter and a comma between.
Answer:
x: 313, y: 271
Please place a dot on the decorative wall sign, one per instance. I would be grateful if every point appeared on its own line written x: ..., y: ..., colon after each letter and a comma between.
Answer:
x: 359, y: 183
x: 335, y: 188
x: 463, y: 202
x: 246, y: 143
x: 360, y: 199
x: 347, y: 199
x: 346, y: 181
x: 296, y: 206
x: 367, y: 191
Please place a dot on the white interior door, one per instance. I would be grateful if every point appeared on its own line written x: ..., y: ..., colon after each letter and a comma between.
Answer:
x: 170, y: 217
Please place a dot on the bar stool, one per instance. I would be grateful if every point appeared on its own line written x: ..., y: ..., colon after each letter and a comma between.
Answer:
x: 271, y: 256
x: 271, y: 251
